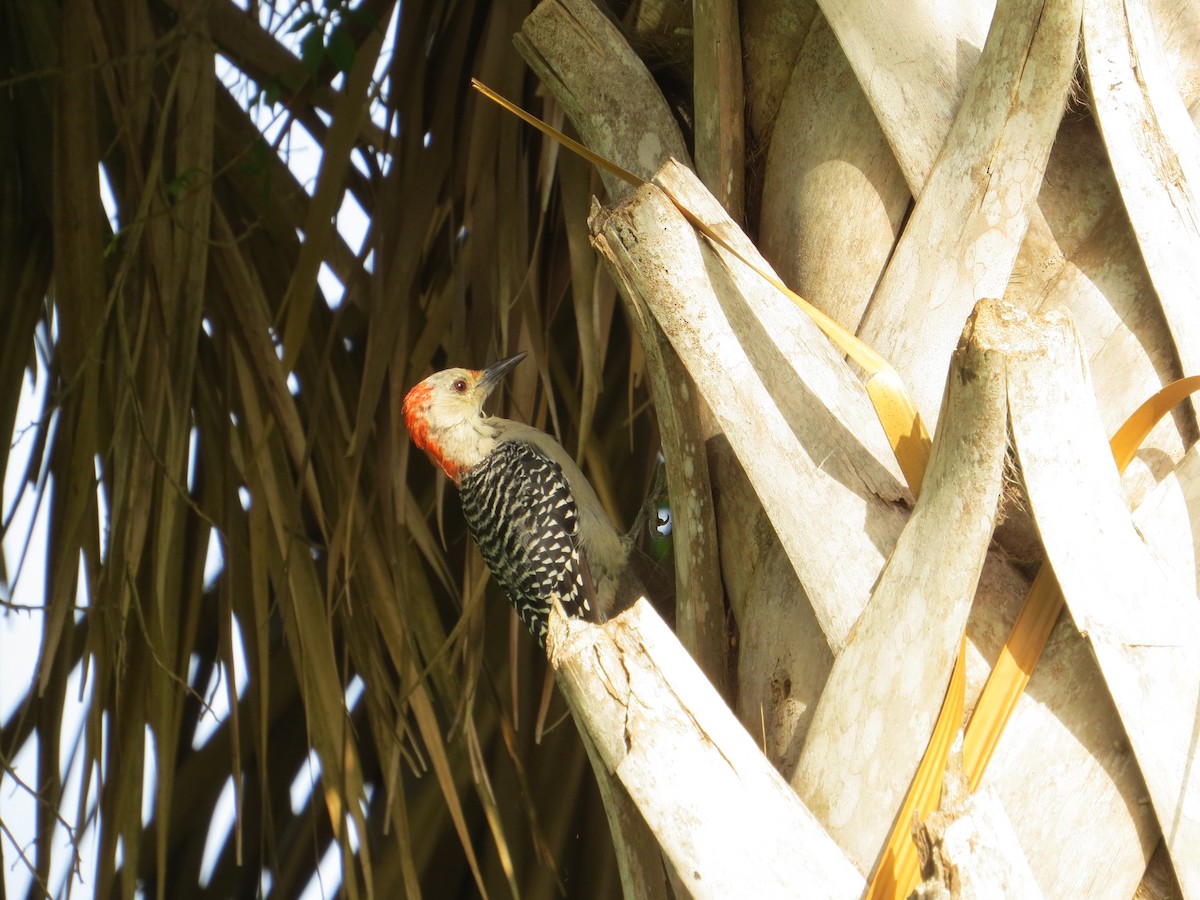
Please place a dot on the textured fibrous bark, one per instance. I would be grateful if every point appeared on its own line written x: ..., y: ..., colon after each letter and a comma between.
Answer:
x: 833, y: 195
x: 1064, y: 732
x: 874, y: 720
x: 604, y: 87
x: 1143, y: 627
x: 915, y: 70
x: 1155, y: 155
x: 970, y: 846
x: 772, y: 35
x: 970, y: 219
x: 1065, y: 744
x: 746, y: 347
x: 719, y: 103
x: 725, y: 819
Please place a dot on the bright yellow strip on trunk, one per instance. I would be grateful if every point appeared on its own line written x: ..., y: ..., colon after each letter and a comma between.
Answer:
x: 897, y: 872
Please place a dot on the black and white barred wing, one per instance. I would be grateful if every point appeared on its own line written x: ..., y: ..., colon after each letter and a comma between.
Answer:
x: 519, y: 508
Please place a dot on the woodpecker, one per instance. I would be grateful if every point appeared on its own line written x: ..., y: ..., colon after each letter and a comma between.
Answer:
x: 537, y: 521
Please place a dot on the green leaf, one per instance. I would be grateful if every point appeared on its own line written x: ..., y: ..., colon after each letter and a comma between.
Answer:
x: 272, y: 91
x: 312, y: 49
x: 341, y: 49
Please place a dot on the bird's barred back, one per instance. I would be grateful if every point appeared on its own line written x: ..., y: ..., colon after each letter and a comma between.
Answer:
x: 521, y: 513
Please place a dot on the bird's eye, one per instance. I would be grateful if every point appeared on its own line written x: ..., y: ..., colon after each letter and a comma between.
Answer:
x: 460, y: 386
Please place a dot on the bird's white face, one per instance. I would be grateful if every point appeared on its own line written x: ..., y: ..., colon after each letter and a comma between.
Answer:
x: 444, y: 415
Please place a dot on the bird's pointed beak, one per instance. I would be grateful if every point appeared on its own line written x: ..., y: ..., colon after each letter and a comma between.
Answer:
x: 493, y: 374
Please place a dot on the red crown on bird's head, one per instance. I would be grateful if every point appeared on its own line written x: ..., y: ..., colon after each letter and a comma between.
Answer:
x: 416, y: 409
